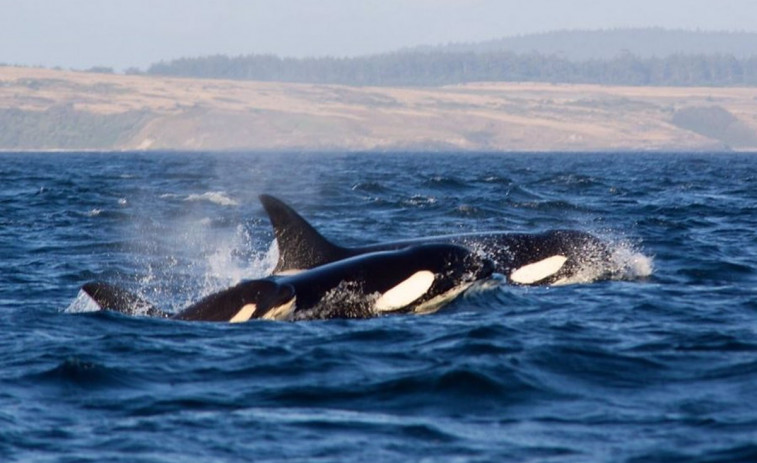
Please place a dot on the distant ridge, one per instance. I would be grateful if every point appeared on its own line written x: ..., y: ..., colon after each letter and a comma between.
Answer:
x: 581, y: 45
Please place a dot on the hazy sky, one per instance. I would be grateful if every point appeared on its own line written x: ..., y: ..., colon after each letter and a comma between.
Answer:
x: 123, y: 33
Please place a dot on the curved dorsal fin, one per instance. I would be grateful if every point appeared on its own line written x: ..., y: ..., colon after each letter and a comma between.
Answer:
x: 300, y: 245
x: 112, y: 297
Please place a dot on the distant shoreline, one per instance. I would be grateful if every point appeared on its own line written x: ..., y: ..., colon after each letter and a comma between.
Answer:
x: 367, y: 152
x: 44, y: 110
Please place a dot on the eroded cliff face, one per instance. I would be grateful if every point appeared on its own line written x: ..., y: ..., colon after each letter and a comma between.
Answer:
x: 48, y: 109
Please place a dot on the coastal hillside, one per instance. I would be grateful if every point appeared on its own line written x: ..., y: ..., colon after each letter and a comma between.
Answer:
x: 42, y: 109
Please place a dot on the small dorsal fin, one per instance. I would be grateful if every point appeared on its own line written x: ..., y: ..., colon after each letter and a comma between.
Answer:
x: 300, y: 245
x: 111, y: 297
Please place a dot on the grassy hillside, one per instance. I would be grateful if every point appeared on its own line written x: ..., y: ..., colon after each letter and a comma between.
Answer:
x: 47, y: 109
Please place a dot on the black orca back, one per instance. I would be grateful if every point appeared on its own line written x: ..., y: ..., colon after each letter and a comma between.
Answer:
x: 301, y: 247
x: 224, y: 305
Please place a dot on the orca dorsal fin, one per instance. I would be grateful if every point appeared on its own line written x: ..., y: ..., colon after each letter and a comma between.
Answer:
x: 117, y: 299
x: 300, y: 245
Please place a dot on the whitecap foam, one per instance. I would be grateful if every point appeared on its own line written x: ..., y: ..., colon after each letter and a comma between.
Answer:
x: 346, y: 300
x: 632, y: 264
x: 625, y: 262
x: 215, y: 197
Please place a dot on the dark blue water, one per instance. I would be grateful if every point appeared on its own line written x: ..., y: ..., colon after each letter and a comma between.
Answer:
x: 661, y: 366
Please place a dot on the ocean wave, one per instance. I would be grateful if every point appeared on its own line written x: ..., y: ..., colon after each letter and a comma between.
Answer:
x: 85, y: 374
x: 456, y: 388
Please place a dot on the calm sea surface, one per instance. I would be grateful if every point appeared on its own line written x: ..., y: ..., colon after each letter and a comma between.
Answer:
x: 659, y: 366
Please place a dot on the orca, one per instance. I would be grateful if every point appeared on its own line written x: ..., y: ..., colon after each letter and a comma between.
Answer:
x: 419, y: 279
x: 548, y: 258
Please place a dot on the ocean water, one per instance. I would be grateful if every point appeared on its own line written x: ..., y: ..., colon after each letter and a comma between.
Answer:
x: 658, y: 366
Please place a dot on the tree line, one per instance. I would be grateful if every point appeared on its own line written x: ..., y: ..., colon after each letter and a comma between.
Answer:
x: 428, y: 68
x: 607, y: 43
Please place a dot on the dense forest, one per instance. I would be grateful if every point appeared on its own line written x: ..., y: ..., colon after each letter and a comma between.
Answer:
x: 578, y: 45
x: 421, y: 68
x: 653, y: 57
